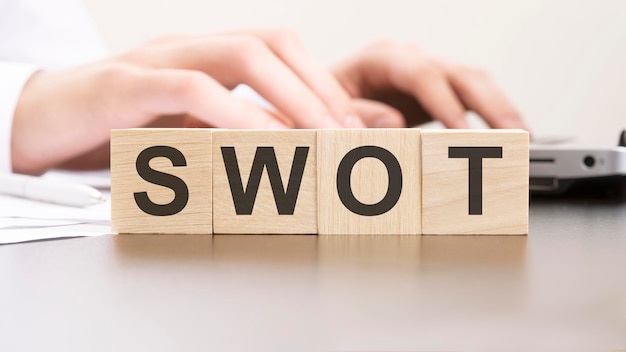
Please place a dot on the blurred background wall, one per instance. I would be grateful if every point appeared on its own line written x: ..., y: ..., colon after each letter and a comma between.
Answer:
x: 562, y: 62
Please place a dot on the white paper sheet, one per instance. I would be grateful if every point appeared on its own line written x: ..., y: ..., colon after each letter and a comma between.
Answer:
x: 23, y: 220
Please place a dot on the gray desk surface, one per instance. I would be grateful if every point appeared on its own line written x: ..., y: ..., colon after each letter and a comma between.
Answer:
x: 562, y: 286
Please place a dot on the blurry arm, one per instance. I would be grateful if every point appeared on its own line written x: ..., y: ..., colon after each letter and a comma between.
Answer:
x: 34, y: 35
x: 67, y: 114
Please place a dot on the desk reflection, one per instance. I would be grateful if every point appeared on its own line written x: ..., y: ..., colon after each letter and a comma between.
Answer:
x: 470, y: 271
x: 339, y: 290
x: 379, y: 253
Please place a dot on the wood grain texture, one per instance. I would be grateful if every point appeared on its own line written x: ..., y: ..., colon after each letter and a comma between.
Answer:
x: 195, y: 145
x: 264, y: 217
x: 445, y: 183
x: 369, y: 181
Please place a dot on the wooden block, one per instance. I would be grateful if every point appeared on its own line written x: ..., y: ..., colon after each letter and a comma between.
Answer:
x: 259, y: 188
x: 378, y: 171
x: 161, y: 181
x: 455, y: 200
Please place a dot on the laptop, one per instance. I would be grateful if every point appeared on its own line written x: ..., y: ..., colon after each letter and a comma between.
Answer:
x: 559, y: 169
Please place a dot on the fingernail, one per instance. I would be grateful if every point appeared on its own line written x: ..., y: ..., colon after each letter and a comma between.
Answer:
x: 276, y: 125
x: 380, y: 122
x: 461, y: 124
x: 512, y: 122
x: 353, y: 121
x: 329, y: 122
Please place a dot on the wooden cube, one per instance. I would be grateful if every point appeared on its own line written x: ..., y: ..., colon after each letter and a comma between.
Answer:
x: 161, y: 181
x: 369, y: 181
x: 475, y: 182
x: 264, y: 182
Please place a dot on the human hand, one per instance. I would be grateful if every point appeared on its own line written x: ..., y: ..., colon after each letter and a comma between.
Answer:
x: 63, y: 118
x: 421, y: 88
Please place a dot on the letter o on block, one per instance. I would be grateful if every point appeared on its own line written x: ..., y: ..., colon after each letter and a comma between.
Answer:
x: 344, y: 185
x: 343, y: 188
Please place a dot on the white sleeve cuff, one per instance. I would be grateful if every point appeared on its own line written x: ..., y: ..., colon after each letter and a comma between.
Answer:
x: 13, y: 76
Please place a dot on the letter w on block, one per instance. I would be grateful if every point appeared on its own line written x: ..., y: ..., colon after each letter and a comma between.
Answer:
x: 265, y: 205
x: 265, y: 157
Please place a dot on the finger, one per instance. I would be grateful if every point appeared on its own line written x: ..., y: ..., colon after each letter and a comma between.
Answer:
x: 480, y: 94
x: 285, y: 45
x: 193, y: 122
x: 429, y: 85
x: 386, y: 66
x: 275, y: 81
x: 378, y: 115
x: 235, y: 59
x: 176, y: 92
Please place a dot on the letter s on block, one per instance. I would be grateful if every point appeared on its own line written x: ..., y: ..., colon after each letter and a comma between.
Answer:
x: 181, y: 191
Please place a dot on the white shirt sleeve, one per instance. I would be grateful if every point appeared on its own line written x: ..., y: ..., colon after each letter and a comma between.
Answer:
x: 39, y: 34
x: 12, y: 79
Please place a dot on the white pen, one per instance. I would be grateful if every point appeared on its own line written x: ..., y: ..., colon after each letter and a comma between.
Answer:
x: 43, y: 190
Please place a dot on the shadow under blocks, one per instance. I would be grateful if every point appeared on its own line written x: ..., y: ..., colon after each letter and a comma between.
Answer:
x: 326, y: 182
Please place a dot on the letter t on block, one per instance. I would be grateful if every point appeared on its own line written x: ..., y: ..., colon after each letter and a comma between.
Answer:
x: 161, y: 181
x: 475, y: 182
